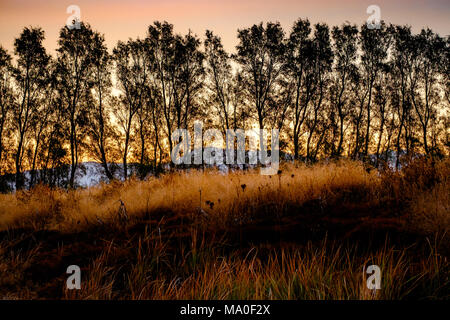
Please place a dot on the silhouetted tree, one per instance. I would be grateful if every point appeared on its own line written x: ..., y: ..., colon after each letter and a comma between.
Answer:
x: 74, y: 81
x: 404, y: 51
x: 374, y: 44
x: 46, y: 106
x: 31, y: 75
x: 382, y: 92
x: 188, y: 74
x: 6, y: 100
x: 425, y: 93
x: 99, y: 128
x: 300, y: 68
x: 322, y: 65
x: 260, y: 54
x: 345, y: 69
x: 221, y: 84
x: 132, y: 75
x: 161, y: 41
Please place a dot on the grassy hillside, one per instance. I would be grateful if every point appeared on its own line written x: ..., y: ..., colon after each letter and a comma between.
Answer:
x: 306, y: 233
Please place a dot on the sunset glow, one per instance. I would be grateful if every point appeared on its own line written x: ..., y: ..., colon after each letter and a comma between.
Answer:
x: 119, y: 20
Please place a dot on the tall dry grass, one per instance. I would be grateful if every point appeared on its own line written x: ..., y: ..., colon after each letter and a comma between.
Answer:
x: 313, y: 273
x: 221, y: 195
x: 305, y: 233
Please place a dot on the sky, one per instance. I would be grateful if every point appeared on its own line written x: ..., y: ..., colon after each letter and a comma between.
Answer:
x: 120, y: 20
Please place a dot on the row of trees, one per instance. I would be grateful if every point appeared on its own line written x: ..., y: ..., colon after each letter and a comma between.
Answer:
x: 333, y: 92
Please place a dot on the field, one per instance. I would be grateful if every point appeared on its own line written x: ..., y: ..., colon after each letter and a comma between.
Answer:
x: 306, y: 233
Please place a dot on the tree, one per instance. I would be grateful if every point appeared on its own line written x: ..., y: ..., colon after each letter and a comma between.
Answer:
x: 445, y: 69
x: 6, y: 99
x: 299, y: 57
x: 260, y: 54
x: 322, y: 63
x: 74, y: 81
x: 31, y: 75
x: 221, y: 84
x: 404, y: 53
x: 55, y: 152
x: 382, y: 93
x: 46, y: 106
x: 345, y: 72
x: 161, y: 44
x: 99, y: 129
x: 375, y: 44
x: 188, y: 73
x: 132, y: 75
x: 425, y: 79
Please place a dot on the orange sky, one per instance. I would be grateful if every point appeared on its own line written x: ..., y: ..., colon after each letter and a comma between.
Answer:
x: 119, y: 20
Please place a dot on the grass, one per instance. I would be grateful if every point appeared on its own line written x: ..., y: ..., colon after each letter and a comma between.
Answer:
x: 306, y: 233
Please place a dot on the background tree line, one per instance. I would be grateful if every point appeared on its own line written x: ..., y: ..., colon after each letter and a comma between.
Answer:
x: 332, y: 92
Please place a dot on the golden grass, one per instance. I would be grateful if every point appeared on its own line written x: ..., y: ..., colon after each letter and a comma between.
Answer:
x: 180, y: 193
x: 305, y: 233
